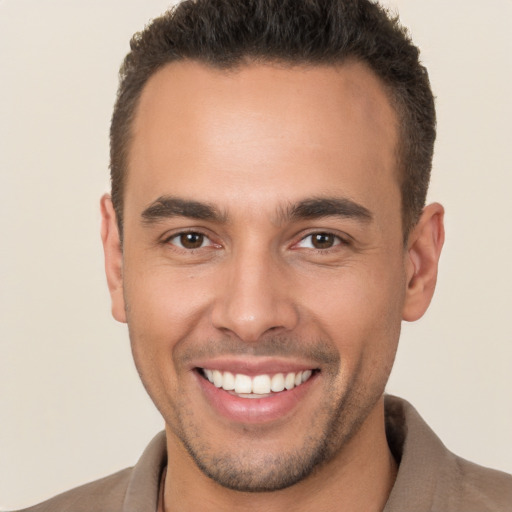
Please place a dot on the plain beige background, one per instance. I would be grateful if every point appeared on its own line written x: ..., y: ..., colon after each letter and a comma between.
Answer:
x: 72, y: 408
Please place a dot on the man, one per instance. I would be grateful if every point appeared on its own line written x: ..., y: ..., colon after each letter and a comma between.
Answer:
x: 266, y: 235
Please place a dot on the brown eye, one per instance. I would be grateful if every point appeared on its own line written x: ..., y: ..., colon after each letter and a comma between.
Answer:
x: 323, y: 240
x: 191, y: 240
x: 320, y: 240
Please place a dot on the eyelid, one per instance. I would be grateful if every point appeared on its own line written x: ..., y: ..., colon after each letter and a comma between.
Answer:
x: 167, y: 239
x: 341, y: 239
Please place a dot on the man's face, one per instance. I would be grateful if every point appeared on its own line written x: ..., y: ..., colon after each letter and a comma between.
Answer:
x: 263, y: 248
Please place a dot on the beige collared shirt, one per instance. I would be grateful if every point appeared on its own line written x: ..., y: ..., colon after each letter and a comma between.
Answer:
x: 430, y: 478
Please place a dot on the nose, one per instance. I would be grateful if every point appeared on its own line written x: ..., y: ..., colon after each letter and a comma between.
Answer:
x: 254, y: 297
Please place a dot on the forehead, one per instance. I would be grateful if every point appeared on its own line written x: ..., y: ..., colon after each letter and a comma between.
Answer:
x: 262, y: 130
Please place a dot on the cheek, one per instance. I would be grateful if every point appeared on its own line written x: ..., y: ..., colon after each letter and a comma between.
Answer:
x: 164, y: 310
x: 358, y: 309
x: 163, y: 303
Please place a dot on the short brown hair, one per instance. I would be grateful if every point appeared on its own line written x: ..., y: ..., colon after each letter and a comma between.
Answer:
x: 228, y: 33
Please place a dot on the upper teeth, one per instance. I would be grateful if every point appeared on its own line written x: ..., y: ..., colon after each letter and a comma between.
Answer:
x: 260, y: 384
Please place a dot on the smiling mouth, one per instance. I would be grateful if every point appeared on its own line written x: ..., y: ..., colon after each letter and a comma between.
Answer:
x: 258, y: 386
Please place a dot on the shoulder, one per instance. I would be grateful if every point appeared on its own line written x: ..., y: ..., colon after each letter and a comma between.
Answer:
x: 433, y: 479
x: 105, y: 494
x: 133, y: 489
x: 480, y: 489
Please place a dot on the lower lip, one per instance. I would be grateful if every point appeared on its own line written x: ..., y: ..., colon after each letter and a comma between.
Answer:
x: 255, y: 410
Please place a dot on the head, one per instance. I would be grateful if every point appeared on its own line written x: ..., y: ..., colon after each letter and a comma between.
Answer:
x: 264, y: 181
x: 226, y: 35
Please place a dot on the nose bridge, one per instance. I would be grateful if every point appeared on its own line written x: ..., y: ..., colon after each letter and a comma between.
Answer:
x: 252, y: 299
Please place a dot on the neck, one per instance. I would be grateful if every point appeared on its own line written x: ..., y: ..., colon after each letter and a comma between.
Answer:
x: 358, y: 479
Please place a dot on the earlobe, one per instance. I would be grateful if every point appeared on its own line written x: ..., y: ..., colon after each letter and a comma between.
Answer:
x: 422, y: 260
x: 113, y: 257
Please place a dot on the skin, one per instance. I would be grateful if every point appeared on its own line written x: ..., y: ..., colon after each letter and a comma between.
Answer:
x: 250, y: 144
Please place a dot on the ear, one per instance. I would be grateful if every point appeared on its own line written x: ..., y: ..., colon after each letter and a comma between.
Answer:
x: 422, y: 259
x: 113, y: 257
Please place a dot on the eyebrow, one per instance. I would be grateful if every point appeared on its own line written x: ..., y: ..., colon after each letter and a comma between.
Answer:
x: 316, y: 208
x: 166, y: 207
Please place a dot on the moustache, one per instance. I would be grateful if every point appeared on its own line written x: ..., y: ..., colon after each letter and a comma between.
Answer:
x: 317, y: 351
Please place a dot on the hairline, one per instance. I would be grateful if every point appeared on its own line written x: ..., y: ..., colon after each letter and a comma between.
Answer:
x: 396, y: 102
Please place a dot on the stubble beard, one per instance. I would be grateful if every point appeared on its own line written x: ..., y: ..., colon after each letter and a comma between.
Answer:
x: 332, y: 424
x: 332, y: 428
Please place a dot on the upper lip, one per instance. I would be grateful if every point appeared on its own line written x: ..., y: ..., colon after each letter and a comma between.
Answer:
x: 255, y: 365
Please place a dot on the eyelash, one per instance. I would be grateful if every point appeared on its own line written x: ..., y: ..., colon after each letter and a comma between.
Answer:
x: 168, y: 240
x: 337, y: 241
